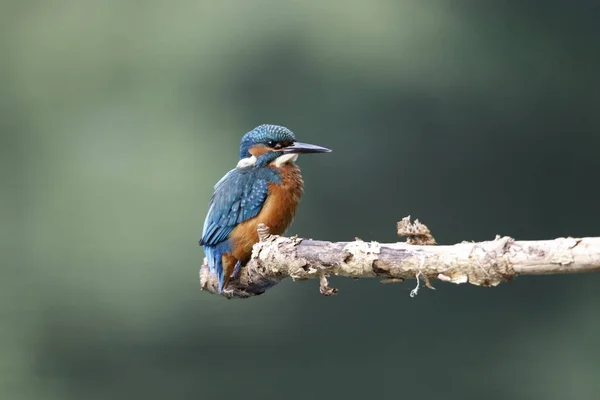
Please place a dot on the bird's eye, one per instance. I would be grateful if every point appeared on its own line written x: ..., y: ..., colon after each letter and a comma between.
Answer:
x: 273, y: 144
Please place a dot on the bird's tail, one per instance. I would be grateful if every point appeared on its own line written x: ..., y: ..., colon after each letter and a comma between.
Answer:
x: 214, y: 255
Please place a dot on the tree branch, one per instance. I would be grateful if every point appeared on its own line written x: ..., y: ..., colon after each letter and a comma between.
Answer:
x: 488, y: 263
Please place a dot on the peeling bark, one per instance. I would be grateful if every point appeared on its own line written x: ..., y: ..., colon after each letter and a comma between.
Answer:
x: 488, y: 263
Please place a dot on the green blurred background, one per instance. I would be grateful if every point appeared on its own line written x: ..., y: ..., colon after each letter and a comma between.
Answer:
x: 116, y: 119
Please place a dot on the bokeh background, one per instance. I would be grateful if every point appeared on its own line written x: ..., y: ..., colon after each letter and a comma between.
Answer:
x: 116, y: 119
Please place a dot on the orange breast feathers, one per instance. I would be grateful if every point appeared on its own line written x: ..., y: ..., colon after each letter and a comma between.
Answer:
x: 277, y: 212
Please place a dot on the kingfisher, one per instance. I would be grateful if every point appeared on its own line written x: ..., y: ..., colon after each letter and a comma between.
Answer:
x: 264, y: 187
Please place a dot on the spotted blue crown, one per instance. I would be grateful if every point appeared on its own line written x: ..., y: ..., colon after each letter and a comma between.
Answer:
x: 262, y: 134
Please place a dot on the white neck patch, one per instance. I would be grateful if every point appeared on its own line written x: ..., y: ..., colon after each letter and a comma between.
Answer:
x: 246, y: 162
x: 284, y: 159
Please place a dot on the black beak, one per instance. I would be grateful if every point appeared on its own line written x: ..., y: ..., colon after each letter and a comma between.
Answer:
x: 303, y: 148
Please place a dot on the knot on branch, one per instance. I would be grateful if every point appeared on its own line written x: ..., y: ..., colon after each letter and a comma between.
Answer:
x: 324, y: 287
x: 416, y: 233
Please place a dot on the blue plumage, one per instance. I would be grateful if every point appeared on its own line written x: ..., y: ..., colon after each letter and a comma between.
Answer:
x: 238, y: 196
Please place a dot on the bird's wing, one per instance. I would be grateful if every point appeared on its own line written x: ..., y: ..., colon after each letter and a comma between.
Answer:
x: 238, y: 196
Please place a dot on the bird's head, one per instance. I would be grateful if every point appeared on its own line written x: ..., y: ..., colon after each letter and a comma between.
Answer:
x: 271, y: 143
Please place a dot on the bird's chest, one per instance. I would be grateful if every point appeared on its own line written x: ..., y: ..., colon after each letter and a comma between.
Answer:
x: 277, y: 212
x: 280, y: 208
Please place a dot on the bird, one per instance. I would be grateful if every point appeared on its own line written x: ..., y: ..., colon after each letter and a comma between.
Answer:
x: 264, y: 187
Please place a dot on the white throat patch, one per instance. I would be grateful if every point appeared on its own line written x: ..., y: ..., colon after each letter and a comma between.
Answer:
x: 246, y: 162
x: 284, y: 159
